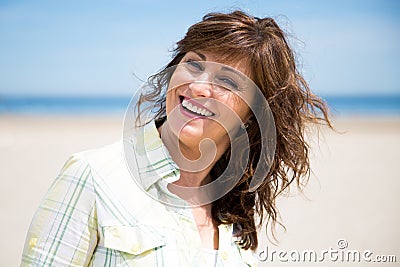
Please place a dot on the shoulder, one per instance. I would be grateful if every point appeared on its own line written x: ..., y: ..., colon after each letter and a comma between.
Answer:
x: 107, y: 166
x: 120, y: 199
x: 103, y: 169
x: 96, y: 158
x: 103, y: 163
x: 80, y: 174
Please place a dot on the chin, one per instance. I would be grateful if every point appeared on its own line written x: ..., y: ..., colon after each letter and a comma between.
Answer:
x: 191, y: 134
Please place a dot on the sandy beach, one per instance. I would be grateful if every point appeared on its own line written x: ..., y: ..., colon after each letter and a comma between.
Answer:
x: 352, y: 196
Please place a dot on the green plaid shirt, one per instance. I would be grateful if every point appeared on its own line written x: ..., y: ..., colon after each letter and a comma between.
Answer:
x: 95, y: 214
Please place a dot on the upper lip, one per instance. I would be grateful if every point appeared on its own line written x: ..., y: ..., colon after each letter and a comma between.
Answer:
x: 195, y: 103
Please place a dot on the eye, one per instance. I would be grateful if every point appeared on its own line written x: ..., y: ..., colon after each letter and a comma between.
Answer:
x: 229, y: 83
x: 194, y: 65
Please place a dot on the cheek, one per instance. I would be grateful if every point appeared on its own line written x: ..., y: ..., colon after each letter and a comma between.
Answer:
x: 180, y: 77
x: 243, y: 106
x: 167, y: 106
x: 244, y: 112
x: 237, y: 105
x: 172, y: 98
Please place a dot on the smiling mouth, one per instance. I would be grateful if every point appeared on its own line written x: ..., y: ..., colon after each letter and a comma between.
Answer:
x: 195, y: 109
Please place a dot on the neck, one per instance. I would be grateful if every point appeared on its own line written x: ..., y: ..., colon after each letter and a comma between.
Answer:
x: 194, y: 165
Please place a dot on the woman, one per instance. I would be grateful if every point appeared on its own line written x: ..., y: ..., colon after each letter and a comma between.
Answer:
x: 229, y: 111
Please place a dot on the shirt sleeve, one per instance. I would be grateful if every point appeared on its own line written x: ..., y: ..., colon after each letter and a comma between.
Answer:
x: 63, y: 231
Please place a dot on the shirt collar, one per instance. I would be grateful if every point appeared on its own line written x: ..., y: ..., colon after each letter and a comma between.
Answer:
x: 152, y: 157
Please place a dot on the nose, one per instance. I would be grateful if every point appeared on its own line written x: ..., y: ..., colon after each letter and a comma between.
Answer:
x: 201, y: 88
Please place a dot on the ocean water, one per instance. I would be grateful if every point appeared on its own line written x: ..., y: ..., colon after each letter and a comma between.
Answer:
x: 64, y: 105
x: 339, y: 105
x: 364, y: 105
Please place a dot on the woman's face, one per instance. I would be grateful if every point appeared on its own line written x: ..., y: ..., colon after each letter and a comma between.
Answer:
x: 204, y: 99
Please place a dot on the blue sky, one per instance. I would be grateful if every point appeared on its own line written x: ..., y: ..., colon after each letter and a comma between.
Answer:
x: 97, y: 47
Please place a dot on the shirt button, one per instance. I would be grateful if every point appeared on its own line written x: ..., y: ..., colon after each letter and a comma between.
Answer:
x: 32, y: 242
x: 114, y: 231
x: 224, y: 255
x: 135, y: 248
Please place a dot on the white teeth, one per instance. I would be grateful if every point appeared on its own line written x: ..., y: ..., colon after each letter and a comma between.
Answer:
x: 195, y: 109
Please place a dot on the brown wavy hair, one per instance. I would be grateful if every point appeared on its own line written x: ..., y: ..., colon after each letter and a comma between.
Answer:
x: 264, y: 46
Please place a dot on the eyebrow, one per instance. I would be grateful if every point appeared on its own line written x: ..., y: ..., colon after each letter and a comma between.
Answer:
x: 238, y: 73
x: 235, y: 71
x: 202, y: 56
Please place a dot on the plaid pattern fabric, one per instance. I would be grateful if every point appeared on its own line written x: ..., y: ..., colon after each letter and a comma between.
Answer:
x: 95, y: 214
